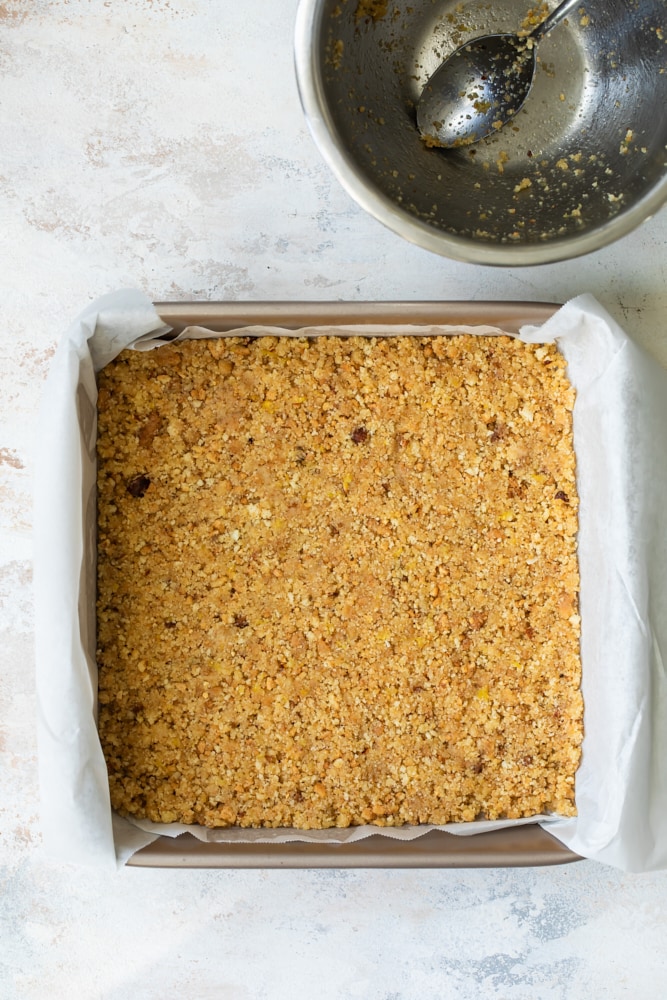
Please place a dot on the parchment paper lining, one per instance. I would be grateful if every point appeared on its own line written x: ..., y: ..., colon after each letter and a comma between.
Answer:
x: 620, y: 419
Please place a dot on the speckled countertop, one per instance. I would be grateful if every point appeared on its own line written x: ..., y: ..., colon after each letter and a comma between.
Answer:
x: 135, y: 152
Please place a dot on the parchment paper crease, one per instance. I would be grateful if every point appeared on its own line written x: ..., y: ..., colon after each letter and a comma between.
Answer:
x: 620, y: 429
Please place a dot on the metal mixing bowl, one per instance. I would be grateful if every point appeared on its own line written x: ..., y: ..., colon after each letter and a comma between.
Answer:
x: 581, y: 165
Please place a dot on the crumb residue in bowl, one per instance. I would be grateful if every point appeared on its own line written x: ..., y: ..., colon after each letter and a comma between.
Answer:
x: 373, y: 10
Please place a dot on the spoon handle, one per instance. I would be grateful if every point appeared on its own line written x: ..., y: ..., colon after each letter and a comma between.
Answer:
x: 554, y: 18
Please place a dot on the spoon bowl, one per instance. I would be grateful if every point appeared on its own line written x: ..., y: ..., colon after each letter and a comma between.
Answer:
x: 482, y: 85
x: 476, y: 91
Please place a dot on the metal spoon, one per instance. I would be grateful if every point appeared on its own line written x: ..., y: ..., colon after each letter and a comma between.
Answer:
x: 482, y: 85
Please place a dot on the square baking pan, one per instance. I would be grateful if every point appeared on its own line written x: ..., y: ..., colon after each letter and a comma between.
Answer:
x: 517, y: 846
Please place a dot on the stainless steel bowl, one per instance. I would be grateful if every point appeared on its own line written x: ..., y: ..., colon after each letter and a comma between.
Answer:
x: 582, y: 164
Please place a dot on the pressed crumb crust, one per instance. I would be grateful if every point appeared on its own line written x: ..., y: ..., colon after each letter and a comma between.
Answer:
x: 338, y: 582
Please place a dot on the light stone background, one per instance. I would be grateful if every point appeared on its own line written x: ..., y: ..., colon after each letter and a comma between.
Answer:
x: 160, y: 144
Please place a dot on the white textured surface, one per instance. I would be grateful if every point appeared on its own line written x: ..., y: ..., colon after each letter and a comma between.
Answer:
x: 161, y: 145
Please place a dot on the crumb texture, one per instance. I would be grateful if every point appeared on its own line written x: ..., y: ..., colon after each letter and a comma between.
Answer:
x: 337, y: 581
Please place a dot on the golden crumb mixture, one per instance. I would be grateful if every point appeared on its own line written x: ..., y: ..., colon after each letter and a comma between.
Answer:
x: 338, y: 581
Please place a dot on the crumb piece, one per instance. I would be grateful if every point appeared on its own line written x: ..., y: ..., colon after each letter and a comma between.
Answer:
x: 371, y: 10
x: 337, y: 53
x: 624, y: 148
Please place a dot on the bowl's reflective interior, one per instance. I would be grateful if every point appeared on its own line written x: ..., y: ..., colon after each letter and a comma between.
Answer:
x: 589, y: 142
